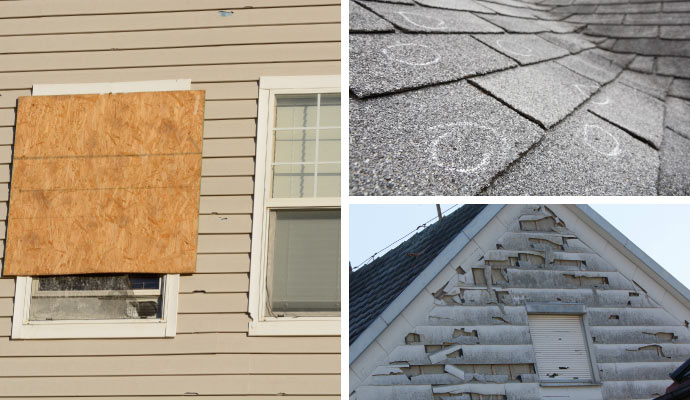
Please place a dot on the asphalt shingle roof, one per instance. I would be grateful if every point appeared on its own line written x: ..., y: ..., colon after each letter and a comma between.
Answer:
x: 374, y: 286
x: 626, y: 63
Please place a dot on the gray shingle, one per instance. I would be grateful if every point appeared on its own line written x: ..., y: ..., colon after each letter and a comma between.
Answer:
x: 612, y: 19
x: 657, y: 19
x: 632, y: 110
x: 674, y: 171
x: 653, y: 85
x: 460, y: 5
x: 547, y: 92
x: 391, y: 63
x: 628, y: 8
x: 443, y: 140
x: 680, y: 88
x: 524, y: 48
x: 583, y: 156
x: 676, y: 6
x: 623, y: 31
x: 653, y: 47
x: 516, y: 25
x: 674, y: 66
x: 678, y: 116
x: 675, y: 32
x: 642, y: 64
x: 424, y: 19
x: 508, y: 10
x: 572, y: 42
x: 362, y: 20
x: 617, y: 58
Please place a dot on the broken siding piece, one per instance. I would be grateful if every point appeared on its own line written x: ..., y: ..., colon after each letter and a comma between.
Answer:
x: 98, y: 179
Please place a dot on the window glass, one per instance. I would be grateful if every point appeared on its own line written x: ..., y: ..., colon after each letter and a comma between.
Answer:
x: 306, y: 140
x: 84, y: 297
x: 304, y: 262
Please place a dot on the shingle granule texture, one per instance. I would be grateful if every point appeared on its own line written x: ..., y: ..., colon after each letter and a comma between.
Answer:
x: 362, y: 20
x: 584, y: 156
x: 632, y: 110
x: 625, y: 63
x: 424, y: 19
x: 674, y: 175
x: 546, y: 92
x: 447, y: 140
x: 525, y: 49
x: 389, y: 63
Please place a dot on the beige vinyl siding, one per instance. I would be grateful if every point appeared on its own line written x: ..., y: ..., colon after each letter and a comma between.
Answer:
x: 82, y: 41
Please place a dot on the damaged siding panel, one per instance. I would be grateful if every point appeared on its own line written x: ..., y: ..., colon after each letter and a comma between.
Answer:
x: 155, y: 39
x: 197, y: 73
x: 169, y: 20
x: 212, y: 318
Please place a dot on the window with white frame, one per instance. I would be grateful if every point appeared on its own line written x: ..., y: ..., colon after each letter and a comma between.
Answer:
x: 562, y: 349
x: 295, y: 266
x: 95, y: 306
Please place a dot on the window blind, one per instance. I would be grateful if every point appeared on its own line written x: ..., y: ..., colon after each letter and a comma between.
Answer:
x: 304, y: 265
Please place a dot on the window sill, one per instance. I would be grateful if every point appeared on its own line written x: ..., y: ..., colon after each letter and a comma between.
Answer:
x: 92, y: 329
x: 296, y: 327
x: 563, y: 384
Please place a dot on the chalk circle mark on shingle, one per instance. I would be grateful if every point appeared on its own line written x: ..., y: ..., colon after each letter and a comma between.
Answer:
x: 423, y: 21
x: 412, y: 54
x: 462, y: 146
x: 514, y: 48
x: 600, y: 140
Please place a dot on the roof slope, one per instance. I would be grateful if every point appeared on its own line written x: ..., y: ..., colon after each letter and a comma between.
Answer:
x: 374, y: 286
x: 519, y: 97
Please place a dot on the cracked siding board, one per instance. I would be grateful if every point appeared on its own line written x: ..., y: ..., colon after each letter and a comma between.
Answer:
x: 155, y: 39
x: 191, y: 364
x: 215, y: 321
x: 170, y: 20
x: 174, y: 385
x: 197, y: 73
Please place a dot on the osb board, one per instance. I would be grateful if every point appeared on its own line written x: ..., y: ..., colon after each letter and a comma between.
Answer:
x: 105, y: 184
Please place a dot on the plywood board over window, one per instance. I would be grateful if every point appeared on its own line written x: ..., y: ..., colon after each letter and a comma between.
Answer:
x: 105, y: 184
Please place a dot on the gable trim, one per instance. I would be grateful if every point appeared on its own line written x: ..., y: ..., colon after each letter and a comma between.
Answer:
x: 634, y: 253
x: 422, y: 280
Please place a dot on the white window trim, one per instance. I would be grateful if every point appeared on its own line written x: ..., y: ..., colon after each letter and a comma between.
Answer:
x: 166, y: 326
x: 260, y: 324
x: 23, y: 328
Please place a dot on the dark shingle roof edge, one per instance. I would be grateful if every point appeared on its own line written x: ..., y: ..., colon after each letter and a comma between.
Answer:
x: 458, y: 243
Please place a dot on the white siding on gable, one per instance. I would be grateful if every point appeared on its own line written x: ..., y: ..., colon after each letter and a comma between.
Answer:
x: 560, y: 348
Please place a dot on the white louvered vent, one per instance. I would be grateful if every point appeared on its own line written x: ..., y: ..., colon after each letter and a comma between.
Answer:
x: 560, y: 348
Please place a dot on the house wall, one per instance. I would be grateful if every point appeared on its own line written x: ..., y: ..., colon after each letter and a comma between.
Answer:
x: 638, y: 330
x: 223, y: 46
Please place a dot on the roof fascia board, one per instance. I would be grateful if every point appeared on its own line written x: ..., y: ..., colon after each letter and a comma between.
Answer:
x: 423, y: 279
x: 634, y: 253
